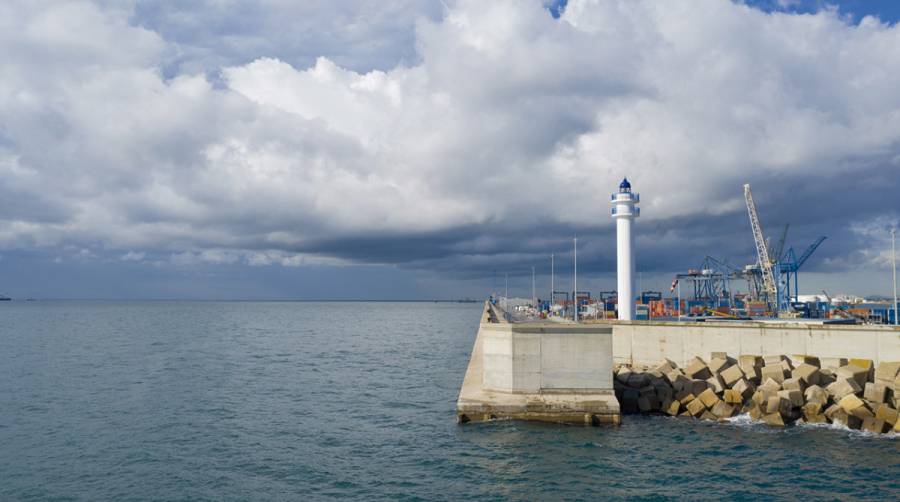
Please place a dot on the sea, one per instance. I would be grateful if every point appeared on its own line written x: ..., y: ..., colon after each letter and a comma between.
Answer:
x: 194, y: 400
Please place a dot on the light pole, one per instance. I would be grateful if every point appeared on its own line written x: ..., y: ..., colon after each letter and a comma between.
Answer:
x: 533, y: 294
x: 894, y: 267
x: 575, y: 293
x: 551, y: 279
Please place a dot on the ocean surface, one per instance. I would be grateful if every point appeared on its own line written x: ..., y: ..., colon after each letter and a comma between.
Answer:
x: 305, y: 401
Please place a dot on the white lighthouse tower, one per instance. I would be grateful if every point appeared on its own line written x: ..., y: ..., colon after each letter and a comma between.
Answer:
x: 624, y: 211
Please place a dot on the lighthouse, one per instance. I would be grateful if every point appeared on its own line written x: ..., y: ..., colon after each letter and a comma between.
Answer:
x: 624, y: 211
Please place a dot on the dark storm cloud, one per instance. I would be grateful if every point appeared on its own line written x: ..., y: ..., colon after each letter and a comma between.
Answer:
x: 457, y: 139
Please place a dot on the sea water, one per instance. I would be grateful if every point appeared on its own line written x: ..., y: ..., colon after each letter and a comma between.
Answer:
x: 302, y: 401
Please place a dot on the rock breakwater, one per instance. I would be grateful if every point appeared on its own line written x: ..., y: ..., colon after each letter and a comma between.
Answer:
x: 778, y: 390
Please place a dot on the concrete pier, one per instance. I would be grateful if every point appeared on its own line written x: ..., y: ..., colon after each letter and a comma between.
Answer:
x: 539, y: 371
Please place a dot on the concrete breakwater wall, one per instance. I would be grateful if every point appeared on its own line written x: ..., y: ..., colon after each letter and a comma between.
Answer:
x: 539, y: 371
x: 647, y: 343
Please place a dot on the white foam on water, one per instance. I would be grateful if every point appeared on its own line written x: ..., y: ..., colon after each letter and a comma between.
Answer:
x: 743, y: 420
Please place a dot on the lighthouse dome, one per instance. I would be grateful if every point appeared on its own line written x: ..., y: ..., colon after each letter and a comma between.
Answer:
x: 625, y: 186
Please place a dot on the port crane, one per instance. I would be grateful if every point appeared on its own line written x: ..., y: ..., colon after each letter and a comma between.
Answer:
x: 762, y: 252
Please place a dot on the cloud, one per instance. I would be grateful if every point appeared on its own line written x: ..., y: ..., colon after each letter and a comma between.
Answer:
x: 463, y: 138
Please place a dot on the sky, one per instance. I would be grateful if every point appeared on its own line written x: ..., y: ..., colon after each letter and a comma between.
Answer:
x: 420, y: 149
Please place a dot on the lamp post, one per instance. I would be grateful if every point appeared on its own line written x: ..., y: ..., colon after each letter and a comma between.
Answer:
x: 575, y: 293
x: 894, y: 267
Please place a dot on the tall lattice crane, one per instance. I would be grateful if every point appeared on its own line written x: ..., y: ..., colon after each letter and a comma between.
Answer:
x: 762, y: 252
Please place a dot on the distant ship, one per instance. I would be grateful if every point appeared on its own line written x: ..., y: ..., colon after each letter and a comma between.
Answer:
x: 5, y: 298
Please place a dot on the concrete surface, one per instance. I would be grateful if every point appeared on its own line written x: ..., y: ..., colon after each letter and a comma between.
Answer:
x: 539, y: 371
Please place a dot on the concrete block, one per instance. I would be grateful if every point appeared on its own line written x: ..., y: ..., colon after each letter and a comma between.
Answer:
x: 862, y: 363
x: 718, y: 355
x: 717, y: 365
x: 843, y: 387
x: 630, y: 401
x: 674, y: 408
x: 760, y: 398
x: 752, y: 373
x: 787, y: 366
x: 755, y: 412
x: 874, y: 425
x: 808, y: 373
x: 698, y: 386
x: 663, y: 393
x: 855, y: 406
x: 770, y: 385
x: 732, y: 396
x: 716, y: 384
x: 723, y: 410
x: 886, y: 372
x: 708, y: 398
x: 815, y: 394
x: 856, y: 373
x: 665, y: 367
x: 644, y: 404
x: 623, y: 374
x: 772, y: 360
x: 697, y: 369
x: 886, y: 413
x: 680, y: 382
x: 876, y: 392
x: 685, y: 397
x: 750, y: 365
x: 792, y: 395
x: 744, y: 387
x: 696, y: 408
x: 778, y: 404
x: 731, y: 375
x: 811, y: 409
x: 793, y: 384
x: 897, y: 426
x: 708, y: 416
x: 775, y: 372
x: 834, y: 410
x: 832, y: 363
x: 749, y: 360
x: 798, y: 359
x: 816, y: 419
x: 638, y: 380
x: 685, y: 414
x: 826, y: 377
x: 773, y: 419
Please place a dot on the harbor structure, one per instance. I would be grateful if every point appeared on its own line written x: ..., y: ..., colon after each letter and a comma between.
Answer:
x: 624, y: 211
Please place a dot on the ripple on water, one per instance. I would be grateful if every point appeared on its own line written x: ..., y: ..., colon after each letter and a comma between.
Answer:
x: 207, y: 400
